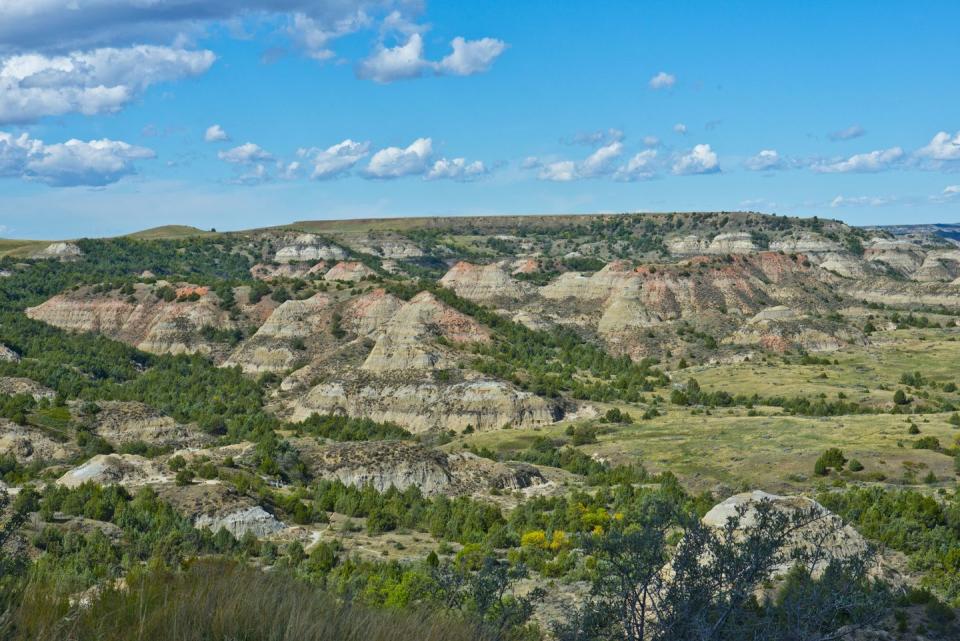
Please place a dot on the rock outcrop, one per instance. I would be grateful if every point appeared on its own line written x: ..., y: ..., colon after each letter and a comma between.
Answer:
x: 27, y: 444
x: 128, y: 470
x: 215, y: 506
x: 280, y: 342
x: 126, y: 422
x: 349, y: 271
x: 822, y: 527
x: 268, y: 272
x: 308, y: 247
x: 369, y: 314
x: 409, y: 341
x: 401, y: 464
x: 12, y: 385
x: 59, y: 251
x: 484, y: 283
x: 143, y: 319
x: 8, y: 355
x: 425, y: 406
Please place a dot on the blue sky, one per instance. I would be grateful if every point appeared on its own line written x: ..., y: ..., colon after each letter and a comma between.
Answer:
x: 117, y: 115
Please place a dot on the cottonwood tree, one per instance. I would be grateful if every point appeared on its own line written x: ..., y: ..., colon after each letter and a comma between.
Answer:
x: 715, y: 584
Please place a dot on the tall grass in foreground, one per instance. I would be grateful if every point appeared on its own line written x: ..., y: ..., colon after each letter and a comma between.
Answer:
x: 222, y: 601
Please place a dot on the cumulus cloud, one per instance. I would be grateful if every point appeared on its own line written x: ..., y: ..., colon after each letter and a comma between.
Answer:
x: 851, y: 132
x: 560, y: 171
x: 68, y: 25
x: 406, y: 60
x: 245, y: 154
x: 215, y: 133
x: 942, y: 147
x: 949, y: 193
x: 388, y: 64
x: 870, y: 162
x: 663, y: 80
x: 640, y: 167
x: 651, y: 141
x: 766, y: 160
x: 457, y: 169
x: 99, y: 81
x: 471, y: 56
x: 680, y: 128
x: 336, y: 160
x: 700, y: 160
x: 72, y: 163
x: 600, y: 162
x: 395, y: 162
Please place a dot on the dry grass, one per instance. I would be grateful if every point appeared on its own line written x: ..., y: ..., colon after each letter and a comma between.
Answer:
x: 222, y: 601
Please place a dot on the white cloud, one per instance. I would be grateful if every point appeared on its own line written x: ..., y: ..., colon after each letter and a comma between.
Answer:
x: 600, y: 162
x: 336, y: 160
x: 471, y: 56
x: 680, y: 128
x: 72, y: 163
x: 951, y: 190
x: 404, y: 61
x: 700, y: 160
x: 254, y: 175
x: 45, y: 25
x: 394, y: 162
x: 245, y: 154
x: 651, y: 141
x: 99, y: 81
x: 942, y: 147
x: 640, y: 167
x: 316, y: 34
x: 561, y: 171
x: 388, y: 64
x: 663, y: 80
x: 215, y: 133
x: 870, y: 162
x: 851, y: 132
x: 457, y: 169
x: 766, y: 160
x: 949, y: 193
x: 860, y: 201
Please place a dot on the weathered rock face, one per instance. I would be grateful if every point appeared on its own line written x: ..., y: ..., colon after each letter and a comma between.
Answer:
x: 370, y: 313
x: 28, y: 444
x: 308, y: 247
x: 272, y: 348
x: 214, y: 505
x: 900, y: 256
x: 775, y: 313
x: 408, y: 342
x: 267, y: 272
x: 805, y: 243
x: 423, y: 406
x: 826, y: 529
x: 128, y: 470
x: 59, y: 251
x: 598, y: 286
x: 125, y: 422
x: 12, y: 385
x: 349, y: 271
x: 386, y: 246
x: 7, y: 354
x: 400, y: 464
x: 252, y: 519
x: 484, y: 283
x: 783, y: 334
x: 729, y: 243
x: 939, y: 266
x: 146, y: 321
x: 891, y: 292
